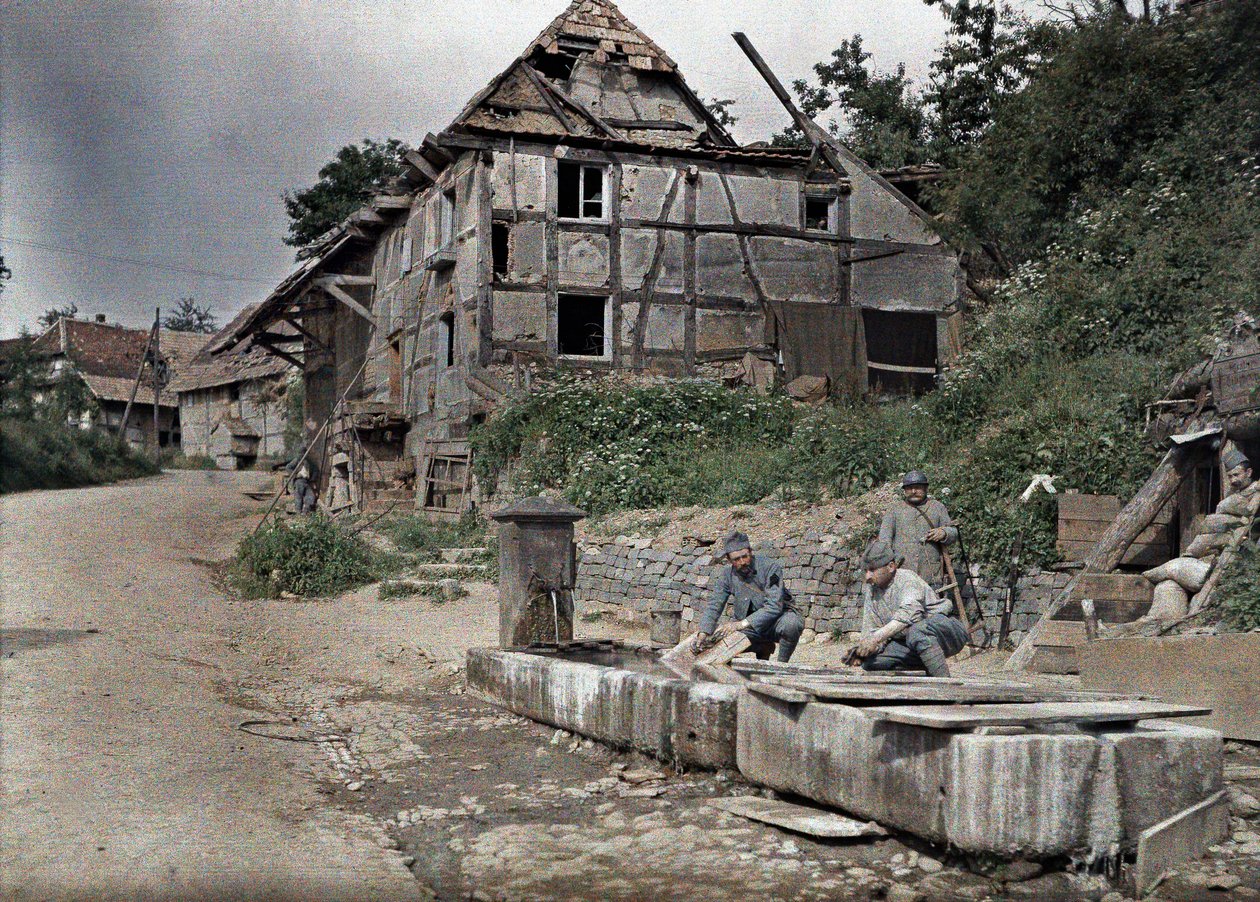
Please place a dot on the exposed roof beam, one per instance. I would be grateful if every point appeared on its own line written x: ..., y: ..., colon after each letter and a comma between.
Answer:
x: 431, y: 144
x: 275, y: 351
x: 330, y: 286
x: 392, y: 202
x: 344, y: 279
x: 417, y: 160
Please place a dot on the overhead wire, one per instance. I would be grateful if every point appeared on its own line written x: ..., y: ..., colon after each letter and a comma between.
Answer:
x: 132, y: 261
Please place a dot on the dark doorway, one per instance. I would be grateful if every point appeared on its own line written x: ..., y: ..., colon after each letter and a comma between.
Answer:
x: 581, y: 326
x: 900, y: 351
x: 499, y: 232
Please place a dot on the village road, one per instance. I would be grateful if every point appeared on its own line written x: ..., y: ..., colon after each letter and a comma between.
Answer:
x: 123, y: 772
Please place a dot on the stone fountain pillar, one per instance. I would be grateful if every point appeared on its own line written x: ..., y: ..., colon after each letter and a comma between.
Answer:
x: 537, y: 568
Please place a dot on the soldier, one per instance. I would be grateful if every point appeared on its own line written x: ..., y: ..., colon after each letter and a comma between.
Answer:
x: 917, y: 528
x: 761, y: 604
x: 1238, y: 472
x: 905, y: 625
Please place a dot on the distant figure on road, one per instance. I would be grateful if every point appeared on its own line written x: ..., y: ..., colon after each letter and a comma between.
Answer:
x: 761, y: 604
x: 905, y: 625
x: 304, y: 476
x: 917, y: 528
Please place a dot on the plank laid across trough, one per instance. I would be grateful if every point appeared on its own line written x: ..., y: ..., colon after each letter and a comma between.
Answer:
x: 958, y: 717
x: 927, y: 691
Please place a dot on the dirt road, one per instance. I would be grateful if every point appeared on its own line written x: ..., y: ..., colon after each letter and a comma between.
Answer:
x: 124, y: 773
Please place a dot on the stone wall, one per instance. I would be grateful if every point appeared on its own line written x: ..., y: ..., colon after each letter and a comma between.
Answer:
x: 821, y: 572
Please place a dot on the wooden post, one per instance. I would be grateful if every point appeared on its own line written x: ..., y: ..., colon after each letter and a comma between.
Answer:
x: 157, y: 383
x: 135, y: 387
x: 1115, y: 542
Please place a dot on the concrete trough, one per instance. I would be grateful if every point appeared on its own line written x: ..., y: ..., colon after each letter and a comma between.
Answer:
x: 613, y: 693
x: 1083, y: 793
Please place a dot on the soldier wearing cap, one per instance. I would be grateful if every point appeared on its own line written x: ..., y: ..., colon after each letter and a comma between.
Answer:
x: 905, y: 625
x: 1238, y: 471
x: 760, y: 603
x: 917, y: 528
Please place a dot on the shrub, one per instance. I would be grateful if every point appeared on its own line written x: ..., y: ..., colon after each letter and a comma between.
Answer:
x: 309, y: 556
x: 1239, y: 589
x: 178, y: 460
x: 38, y: 453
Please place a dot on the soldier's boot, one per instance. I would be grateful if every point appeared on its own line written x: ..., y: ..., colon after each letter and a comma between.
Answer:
x: 933, y: 658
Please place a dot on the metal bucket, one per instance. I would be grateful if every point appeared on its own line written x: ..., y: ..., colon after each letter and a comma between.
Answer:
x: 666, y: 626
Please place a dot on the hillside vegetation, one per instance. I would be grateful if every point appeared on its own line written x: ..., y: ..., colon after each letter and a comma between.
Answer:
x: 1112, y: 203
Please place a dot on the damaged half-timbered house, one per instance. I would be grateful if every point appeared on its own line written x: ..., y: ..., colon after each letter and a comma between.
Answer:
x: 586, y: 212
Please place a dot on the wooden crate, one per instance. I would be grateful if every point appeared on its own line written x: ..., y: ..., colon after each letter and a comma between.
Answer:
x: 1117, y: 597
x: 1084, y: 518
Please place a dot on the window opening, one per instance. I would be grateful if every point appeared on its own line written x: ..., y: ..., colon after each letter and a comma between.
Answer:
x: 446, y: 219
x: 818, y: 214
x: 900, y: 351
x: 499, y: 248
x: 446, y: 338
x: 234, y: 392
x: 556, y: 66
x: 582, y: 326
x: 581, y: 191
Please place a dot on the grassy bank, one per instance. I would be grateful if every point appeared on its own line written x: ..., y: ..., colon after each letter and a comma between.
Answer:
x: 38, y: 453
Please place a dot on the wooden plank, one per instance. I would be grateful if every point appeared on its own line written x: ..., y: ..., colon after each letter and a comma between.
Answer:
x: 779, y: 693
x: 798, y: 818
x: 925, y: 692
x: 1062, y: 633
x: 1145, y: 556
x: 961, y: 717
x: 1220, y: 672
x: 330, y: 286
x: 1180, y: 838
x: 1103, y: 508
x: 1236, y: 383
x: 1108, y: 611
x: 1092, y: 530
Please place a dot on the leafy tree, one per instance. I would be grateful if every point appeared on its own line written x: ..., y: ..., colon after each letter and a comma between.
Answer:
x: 50, y: 316
x: 888, y: 125
x: 989, y: 54
x: 189, y: 316
x: 345, y: 184
x: 721, y: 111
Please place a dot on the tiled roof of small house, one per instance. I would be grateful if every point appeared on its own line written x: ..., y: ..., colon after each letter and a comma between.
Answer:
x: 108, y: 355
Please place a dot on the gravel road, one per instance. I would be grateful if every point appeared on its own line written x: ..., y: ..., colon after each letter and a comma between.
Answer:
x: 124, y: 773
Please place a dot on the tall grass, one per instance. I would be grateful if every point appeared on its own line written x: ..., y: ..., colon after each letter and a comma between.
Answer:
x: 38, y: 453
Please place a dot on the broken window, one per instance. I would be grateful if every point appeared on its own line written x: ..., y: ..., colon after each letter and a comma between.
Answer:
x: 556, y: 66
x: 581, y: 191
x: 582, y: 326
x: 499, y: 232
x: 900, y: 351
x: 820, y: 213
x: 446, y: 339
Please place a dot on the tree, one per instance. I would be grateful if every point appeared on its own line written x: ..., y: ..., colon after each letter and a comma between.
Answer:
x: 887, y: 124
x: 345, y: 183
x: 721, y: 111
x: 189, y: 316
x: 50, y: 316
x: 989, y: 54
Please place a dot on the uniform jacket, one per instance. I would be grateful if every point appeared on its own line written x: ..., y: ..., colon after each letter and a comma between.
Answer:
x: 761, y: 598
x: 903, y: 528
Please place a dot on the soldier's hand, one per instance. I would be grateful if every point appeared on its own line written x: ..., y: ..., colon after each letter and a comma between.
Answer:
x: 935, y: 535
x: 699, y: 642
x: 869, y: 647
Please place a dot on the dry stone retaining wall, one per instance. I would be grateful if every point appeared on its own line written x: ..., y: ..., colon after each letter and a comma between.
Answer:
x: 821, y: 571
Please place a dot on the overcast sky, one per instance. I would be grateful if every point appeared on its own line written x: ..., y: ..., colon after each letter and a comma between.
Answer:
x: 144, y: 146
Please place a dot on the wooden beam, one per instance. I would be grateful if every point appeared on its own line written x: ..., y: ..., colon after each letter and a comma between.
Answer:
x: 432, y: 145
x: 283, y: 355
x: 336, y: 293
x: 666, y: 125
x: 347, y: 280
x: 546, y: 95
x: 277, y: 338
x: 1115, y: 542
x: 366, y: 216
x: 958, y: 717
x: 392, y: 202
x: 415, y: 160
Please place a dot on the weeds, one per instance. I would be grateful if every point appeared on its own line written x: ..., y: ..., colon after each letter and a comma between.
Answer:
x: 38, y: 453
x: 310, y: 556
x: 1239, y: 589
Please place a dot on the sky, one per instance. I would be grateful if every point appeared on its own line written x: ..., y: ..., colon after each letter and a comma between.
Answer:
x: 145, y: 146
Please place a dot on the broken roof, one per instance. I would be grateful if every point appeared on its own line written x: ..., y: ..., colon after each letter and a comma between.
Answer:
x: 593, y: 50
x: 208, y: 370
x: 108, y: 355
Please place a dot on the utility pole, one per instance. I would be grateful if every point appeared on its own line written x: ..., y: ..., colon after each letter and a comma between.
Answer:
x: 157, y: 379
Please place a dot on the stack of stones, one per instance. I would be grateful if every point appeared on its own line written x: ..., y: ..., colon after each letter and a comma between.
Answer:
x: 635, y: 576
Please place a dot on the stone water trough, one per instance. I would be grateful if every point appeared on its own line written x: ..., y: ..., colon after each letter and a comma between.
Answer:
x: 977, y: 765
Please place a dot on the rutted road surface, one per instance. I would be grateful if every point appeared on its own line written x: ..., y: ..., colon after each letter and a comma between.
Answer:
x: 124, y: 773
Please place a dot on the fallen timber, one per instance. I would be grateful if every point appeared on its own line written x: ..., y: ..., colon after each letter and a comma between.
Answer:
x: 979, y: 765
